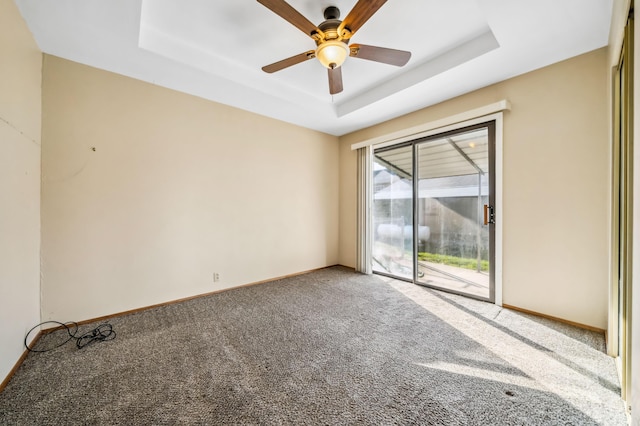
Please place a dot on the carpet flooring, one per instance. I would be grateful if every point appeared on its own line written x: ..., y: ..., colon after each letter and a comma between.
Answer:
x: 328, y: 347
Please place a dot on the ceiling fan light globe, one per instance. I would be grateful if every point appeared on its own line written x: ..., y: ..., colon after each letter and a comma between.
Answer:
x: 332, y: 53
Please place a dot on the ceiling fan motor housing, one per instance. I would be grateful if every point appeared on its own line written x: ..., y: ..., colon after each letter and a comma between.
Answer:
x: 331, y: 12
x: 330, y: 30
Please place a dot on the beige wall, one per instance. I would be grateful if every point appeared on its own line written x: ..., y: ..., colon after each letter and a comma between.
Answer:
x: 348, y: 202
x: 177, y: 188
x: 555, y: 191
x: 20, y: 76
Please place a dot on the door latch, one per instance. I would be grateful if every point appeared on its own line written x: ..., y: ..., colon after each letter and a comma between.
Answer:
x: 489, y: 215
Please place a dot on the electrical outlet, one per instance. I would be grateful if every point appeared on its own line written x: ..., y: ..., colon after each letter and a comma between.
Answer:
x: 216, y: 277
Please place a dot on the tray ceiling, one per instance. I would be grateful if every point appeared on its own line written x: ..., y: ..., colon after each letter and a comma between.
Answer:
x: 215, y: 50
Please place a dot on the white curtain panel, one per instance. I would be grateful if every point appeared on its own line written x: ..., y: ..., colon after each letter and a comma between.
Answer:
x: 363, y: 241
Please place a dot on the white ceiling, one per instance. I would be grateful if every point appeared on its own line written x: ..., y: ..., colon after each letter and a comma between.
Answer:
x: 215, y: 49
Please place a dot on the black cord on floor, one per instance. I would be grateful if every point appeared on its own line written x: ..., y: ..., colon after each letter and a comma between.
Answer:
x: 101, y: 333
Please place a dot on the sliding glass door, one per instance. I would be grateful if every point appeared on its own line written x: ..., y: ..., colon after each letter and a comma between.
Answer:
x: 455, y: 203
x: 392, y: 220
x: 433, y: 211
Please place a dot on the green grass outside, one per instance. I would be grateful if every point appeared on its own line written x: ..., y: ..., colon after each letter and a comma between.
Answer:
x: 460, y: 262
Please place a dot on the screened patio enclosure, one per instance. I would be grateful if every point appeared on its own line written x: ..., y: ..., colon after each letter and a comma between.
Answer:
x: 428, y: 219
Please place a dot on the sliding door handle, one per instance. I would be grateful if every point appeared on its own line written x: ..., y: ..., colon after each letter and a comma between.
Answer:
x: 489, y: 215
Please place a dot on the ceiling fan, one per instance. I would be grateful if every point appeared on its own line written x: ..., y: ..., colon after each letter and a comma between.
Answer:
x: 332, y: 39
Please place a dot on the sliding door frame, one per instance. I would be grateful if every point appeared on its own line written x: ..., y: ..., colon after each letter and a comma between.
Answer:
x: 491, y: 135
x: 619, y: 339
x: 436, y: 128
x: 490, y: 112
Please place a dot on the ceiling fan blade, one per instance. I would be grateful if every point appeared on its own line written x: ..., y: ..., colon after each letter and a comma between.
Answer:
x: 289, y: 14
x: 361, y: 12
x: 285, y: 63
x: 380, y: 54
x: 335, y: 80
